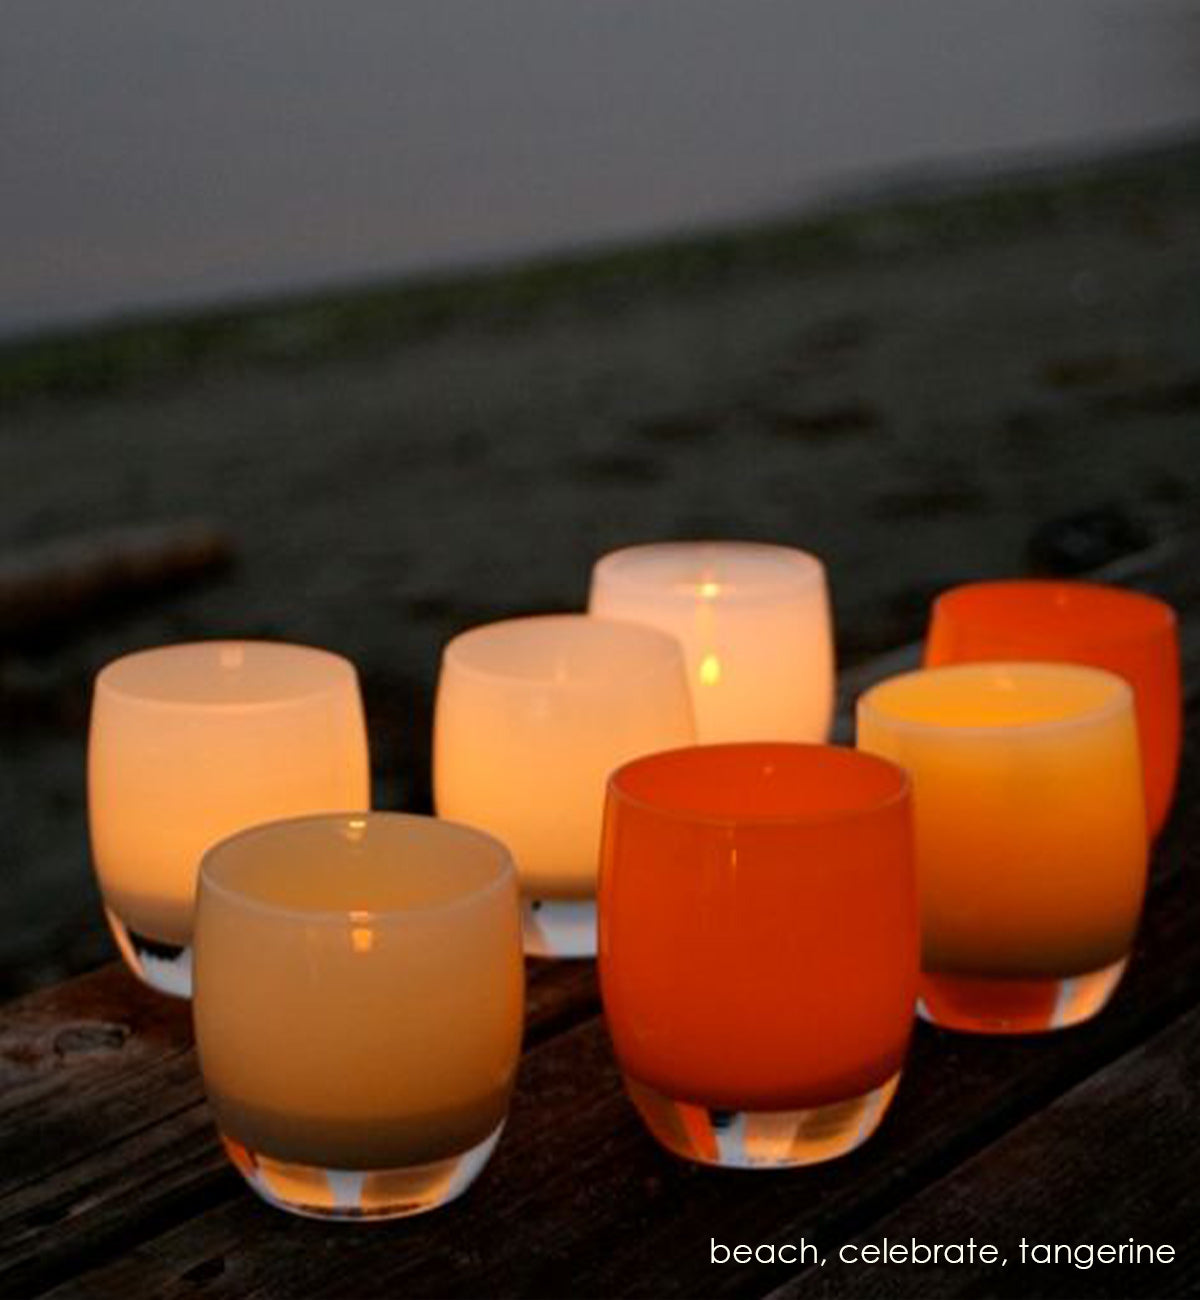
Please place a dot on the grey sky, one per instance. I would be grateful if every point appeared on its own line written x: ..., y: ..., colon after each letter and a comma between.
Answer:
x: 156, y: 151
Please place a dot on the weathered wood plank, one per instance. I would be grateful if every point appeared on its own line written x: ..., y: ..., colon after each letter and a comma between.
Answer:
x: 580, y: 1201
x: 558, y: 995
x: 70, y: 1061
x: 162, y: 1173
x: 1112, y: 1159
x: 104, y: 1129
x: 30, y: 1026
x: 578, y: 1198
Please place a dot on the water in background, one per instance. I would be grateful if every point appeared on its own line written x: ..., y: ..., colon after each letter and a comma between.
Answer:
x: 155, y: 154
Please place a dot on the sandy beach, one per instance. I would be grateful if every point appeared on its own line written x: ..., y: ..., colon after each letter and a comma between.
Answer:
x: 921, y: 390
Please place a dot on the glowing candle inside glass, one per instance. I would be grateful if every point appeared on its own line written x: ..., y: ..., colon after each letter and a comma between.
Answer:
x: 190, y: 743
x: 532, y: 715
x: 358, y: 1008
x: 1031, y: 836
x: 755, y: 624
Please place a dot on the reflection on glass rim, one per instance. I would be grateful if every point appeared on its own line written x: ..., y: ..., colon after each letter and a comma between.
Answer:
x: 808, y: 784
x: 225, y: 674
x: 283, y: 864
x: 564, y: 652
x: 708, y: 570
x: 996, y: 697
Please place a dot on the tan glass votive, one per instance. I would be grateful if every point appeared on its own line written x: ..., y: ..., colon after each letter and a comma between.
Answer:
x: 358, y: 1008
x: 1030, y: 833
x: 532, y: 716
x: 190, y: 743
x: 755, y: 625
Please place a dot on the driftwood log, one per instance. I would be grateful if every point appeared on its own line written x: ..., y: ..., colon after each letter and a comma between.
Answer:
x: 56, y: 584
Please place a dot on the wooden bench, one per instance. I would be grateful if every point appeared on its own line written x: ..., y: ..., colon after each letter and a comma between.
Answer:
x: 112, y: 1182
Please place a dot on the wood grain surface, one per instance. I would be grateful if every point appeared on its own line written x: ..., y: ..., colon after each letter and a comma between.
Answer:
x: 112, y: 1182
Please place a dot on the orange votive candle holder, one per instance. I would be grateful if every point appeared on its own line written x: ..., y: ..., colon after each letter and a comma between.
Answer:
x: 759, y: 946
x: 1030, y: 836
x: 1133, y: 635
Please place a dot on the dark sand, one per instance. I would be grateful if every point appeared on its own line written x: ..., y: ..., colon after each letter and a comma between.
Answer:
x: 915, y: 390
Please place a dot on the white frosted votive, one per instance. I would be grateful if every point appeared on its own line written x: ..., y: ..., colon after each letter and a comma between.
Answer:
x: 191, y: 743
x: 755, y: 624
x: 532, y: 715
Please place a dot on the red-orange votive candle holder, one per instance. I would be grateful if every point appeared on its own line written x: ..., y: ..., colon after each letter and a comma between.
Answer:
x: 759, y: 947
x: 1125, y: 632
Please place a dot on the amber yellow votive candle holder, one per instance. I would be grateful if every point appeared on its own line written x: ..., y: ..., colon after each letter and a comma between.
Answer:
x: 532, y: 715
x: 1030, y: 836
x: 755, y: 625
x: 358, y: 1007
x: 190, y: 743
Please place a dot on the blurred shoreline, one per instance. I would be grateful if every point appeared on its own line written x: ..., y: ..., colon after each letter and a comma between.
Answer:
x: 927, y: 211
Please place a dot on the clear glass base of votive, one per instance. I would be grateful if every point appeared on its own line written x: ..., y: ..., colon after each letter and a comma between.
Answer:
x: 553, y: 928
x: 1009, y: 1006
x: 765, y: 1139
x: 166, y: 967
x: 360, y: 1194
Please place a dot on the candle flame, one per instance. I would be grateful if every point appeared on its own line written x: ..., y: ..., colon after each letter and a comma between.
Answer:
x: 710, y: 670
x: 362, y: 937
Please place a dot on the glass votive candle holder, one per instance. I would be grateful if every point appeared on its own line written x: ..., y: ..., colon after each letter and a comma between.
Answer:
x: 189, y: 743
x: 532, y: 715
x: 358, y: 1008
x: 759, y: 947
x: 1132, y: 635
x: 1031, y: 836
x: 755, y: 625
